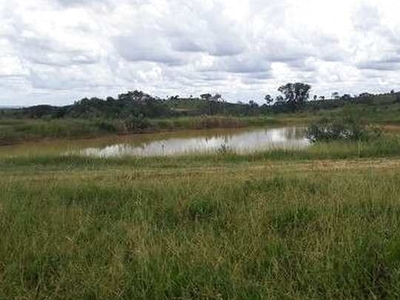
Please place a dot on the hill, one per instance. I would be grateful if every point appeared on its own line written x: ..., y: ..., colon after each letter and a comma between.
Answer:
x: 139, y: 104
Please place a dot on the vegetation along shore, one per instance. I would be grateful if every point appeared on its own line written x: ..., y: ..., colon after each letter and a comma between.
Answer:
x: 317, y: 222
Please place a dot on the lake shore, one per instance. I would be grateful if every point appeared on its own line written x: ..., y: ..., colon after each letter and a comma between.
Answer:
x: 15, y: 131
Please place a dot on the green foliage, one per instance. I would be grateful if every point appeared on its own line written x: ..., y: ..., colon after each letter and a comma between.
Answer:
x: 137, y: 112
x: 138, y: 123
x: 349, y: 128
x: 296, y: 94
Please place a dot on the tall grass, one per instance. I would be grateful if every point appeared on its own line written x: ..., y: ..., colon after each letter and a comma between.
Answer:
x: 244, y: 234
x: 280, y: 224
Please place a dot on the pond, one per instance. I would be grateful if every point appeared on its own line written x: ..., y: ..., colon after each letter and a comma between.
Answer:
x: 167, y: 143
x: 239, y: 141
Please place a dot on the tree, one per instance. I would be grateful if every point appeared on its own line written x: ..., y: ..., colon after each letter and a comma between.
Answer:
x: 268, y: 99
x: 279, y: 100
x: 205, y: 96
x: 346, y: 97
x: 392, y: 91
x: 176, y: 97
x: 397, y: 98
x: 216, y: 97
x: 296, y: 94
x: 253, y: 104
x: 335, y: 95
x: 322, y: 98
x: 315, y: 97
x: 365, y: 95
x: 212, y: 102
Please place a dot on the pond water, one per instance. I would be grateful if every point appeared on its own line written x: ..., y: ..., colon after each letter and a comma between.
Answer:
x: 229, y: 140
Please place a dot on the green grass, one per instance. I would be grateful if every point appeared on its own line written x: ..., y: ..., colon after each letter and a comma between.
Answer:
x: 315, y: 223
x: 318, y: 223
x: 267, y: 230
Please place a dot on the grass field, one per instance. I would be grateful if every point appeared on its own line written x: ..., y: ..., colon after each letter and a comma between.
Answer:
x: 319, y: 223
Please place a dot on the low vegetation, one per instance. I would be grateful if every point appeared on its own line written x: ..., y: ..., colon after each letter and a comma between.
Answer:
x: 315, y: 223
x: 14, y: 131
x: 138, y: 112
x: 220, y: 226
x: 347, y: 129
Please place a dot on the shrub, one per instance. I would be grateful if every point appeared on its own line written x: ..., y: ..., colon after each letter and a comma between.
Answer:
x: 341, y: 129
x: 137, y: 123
x: 106, y: 126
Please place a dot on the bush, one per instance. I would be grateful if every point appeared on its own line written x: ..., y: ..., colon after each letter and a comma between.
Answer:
x: 137, y: 123
x: 106, y: 126
x: 341, y: 129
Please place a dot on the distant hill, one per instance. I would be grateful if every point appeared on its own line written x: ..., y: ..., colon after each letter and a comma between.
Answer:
x: 138, y: 104
x: 10, y: 107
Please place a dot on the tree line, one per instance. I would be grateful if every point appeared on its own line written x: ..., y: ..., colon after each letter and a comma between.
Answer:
x: 139, y: 105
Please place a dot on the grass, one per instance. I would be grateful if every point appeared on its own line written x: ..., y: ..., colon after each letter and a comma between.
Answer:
x: 261, y: 231
x: 315, y: 223
x: 318, y: 223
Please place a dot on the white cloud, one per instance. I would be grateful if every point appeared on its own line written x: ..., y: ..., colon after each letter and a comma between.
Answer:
x: 57, y: 51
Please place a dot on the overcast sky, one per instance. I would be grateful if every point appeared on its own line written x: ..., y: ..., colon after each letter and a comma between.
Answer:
x: 59, y: 51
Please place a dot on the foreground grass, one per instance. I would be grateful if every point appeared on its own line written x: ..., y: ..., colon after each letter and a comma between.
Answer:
x: 275, y: 225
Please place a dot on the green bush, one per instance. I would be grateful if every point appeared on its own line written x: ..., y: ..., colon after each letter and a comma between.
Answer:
x: 137, y: 123
x: 349, y: 129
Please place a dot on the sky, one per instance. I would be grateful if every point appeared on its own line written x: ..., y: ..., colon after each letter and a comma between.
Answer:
x: 59, y: 51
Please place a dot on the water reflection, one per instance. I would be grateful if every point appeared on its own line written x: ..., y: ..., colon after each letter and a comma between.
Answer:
x: 242, y: 142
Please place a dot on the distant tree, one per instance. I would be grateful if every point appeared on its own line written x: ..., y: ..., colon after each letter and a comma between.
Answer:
x: 176, y: 97
x: 322, y: 98
x: 268, y: 99
x: 346, y: 97
x: 296, y: 94
x: 134, y: 96
x: 217, y: 97
x: 366, y: 98
x: 315, y: 97
x: 212, y: 102
x: 392, y: 91
x: 205, y: 96
x: 335, y: 95
x: 365, y: 95
x: 279, y: 99
x: 253, y: 104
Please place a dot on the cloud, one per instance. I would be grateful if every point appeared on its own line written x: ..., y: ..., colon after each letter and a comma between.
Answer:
x: 56, y: 51
x: 147, y: 48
